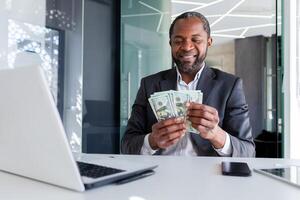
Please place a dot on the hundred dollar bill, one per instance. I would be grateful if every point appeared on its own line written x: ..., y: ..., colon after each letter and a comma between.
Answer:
x: 167, y: 104
x: 194, y: 96
x: 162, y: 106
x: 180, y: 99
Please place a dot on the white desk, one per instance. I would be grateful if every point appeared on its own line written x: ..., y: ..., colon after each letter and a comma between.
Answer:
x: 176, y: 178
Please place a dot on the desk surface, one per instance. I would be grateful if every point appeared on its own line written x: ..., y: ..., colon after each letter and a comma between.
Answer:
x: 175, y: 178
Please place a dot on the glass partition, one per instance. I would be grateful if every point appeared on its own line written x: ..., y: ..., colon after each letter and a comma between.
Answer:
x: 144, y: 46
x: 33, y: 32
x: 245, y: 39
x: 245, y: 43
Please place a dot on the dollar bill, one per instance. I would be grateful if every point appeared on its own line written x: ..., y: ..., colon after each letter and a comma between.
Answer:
x: 168, y: 104
x: 179, y: 101
x: 162, y: 106
x: 194, y: 96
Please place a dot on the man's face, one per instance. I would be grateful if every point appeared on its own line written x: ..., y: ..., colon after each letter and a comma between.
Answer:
x: 189, y: 43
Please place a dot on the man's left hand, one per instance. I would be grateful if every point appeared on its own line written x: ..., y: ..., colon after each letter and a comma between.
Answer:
x: 206, y: 119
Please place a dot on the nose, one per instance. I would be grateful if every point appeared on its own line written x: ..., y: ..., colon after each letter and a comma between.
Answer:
x: 187, y: 45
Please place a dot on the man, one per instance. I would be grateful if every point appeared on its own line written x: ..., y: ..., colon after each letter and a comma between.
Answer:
x: 222, y: 120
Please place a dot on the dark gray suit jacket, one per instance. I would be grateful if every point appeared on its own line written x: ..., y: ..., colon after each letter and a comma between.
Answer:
x: 221, y: 90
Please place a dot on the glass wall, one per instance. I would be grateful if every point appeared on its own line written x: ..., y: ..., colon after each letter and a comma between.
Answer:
x: 245, y: 41
x: 76, y: 42
x: 26, y: 41
x: 33, y: 33
x: 144, y: 46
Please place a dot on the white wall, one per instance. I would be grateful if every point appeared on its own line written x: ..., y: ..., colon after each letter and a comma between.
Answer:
x: 291, y: 96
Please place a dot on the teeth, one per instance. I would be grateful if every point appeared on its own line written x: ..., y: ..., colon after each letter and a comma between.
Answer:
x: 187, y: 56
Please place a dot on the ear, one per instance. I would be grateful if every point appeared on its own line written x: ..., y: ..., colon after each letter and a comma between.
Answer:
x: 209, y: 41
x: 170, y: 42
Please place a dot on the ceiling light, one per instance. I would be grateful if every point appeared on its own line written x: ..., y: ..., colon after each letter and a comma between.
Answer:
x: 244, y: 16
x: 199, y: 7
x: 160, y: 12
x: 229, y: 11
x: 188, y: 2
x: 244, y: 32
x: 147, y: 5
x: 244, y: 27
x: 159, y: 23
x: 227, y: 36
x: 141, y: 15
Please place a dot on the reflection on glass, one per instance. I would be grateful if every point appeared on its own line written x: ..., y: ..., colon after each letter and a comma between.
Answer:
x: 25, y: 41
x: 241, y: 22
x: 61, y: 14
x: 25, y: 38
x: 290, y: 174
x: 144, y: 21
x: 145, y: 48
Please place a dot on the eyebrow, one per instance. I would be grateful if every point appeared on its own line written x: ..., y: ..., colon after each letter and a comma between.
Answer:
x: 195, y: 35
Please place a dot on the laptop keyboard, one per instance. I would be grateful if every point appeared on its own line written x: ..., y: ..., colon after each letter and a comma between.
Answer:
x: 96, y: 171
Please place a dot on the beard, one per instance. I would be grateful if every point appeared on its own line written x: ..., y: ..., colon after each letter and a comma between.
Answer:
x: 187, y: 68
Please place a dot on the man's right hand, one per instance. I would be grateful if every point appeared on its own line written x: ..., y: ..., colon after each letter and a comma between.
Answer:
x: 166, y: 133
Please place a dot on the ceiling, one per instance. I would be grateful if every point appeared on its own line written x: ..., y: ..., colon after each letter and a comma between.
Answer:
x: 230, y: 19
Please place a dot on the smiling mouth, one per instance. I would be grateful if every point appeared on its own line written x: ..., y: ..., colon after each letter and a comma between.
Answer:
x: 187, y: 57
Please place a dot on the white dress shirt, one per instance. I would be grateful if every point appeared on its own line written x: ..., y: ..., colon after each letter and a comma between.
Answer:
x: 184, y: 146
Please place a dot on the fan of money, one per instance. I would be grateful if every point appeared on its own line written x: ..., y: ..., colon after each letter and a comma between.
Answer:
x: 169, y: 104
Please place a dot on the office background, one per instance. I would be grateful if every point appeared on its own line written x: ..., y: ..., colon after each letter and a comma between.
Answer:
x: 94, y: 53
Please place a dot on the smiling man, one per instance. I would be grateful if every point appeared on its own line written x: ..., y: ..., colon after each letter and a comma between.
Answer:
x: 222, y: 120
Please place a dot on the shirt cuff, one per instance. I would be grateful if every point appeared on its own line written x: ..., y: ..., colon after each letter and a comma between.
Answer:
x: 146, y: 148
x: 227, y: 149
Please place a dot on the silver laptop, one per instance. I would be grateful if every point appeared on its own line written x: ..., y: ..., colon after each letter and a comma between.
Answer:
x: 33, y: 142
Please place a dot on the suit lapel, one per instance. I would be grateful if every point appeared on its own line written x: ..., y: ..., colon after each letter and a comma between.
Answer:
x: 206, y: 83
x: 169, y: 81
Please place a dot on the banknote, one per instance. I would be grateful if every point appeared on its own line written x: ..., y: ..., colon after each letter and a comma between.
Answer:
x: 179, y: 101
x: 171, y: 103
x: 195, y: 96
x: 162, y: 107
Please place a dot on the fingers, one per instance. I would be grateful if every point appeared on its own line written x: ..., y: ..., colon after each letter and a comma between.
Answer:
x: 205, y: 132
x: 203, y: 122
x: 200, y: 114
x: 171, y: 136
x: 203, y: 118
x: 168, y: 122
x: 167, y: 132
x: 201, y: 108
x: 170, y: 139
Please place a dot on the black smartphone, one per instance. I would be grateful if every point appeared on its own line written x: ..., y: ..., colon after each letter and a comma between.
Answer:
x: 235, y: 169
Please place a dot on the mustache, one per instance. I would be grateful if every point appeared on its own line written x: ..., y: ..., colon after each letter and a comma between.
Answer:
x: 188, y: 53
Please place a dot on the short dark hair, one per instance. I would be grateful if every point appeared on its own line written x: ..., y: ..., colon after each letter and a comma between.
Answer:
x: 186, y: 15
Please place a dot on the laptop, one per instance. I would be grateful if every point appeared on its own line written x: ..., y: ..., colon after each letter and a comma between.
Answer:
x: 33, y: 142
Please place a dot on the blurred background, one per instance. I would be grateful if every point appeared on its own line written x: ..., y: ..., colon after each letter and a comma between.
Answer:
x: 95, y: 52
